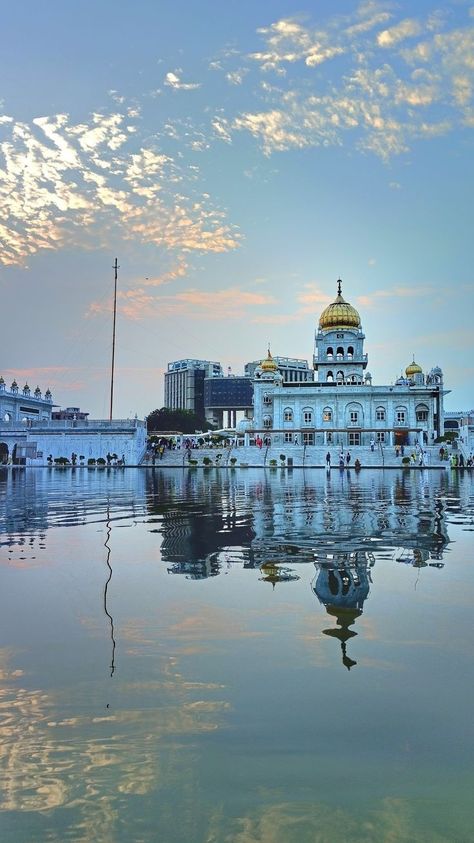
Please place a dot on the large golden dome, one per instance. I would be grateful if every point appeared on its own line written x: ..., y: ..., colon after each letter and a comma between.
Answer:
x: 269, y: 365
x: 339, y: 314
x: 413, y: 369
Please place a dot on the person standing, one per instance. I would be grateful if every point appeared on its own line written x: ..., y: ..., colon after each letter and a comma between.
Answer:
x: 372, y: 444
x: 348, y: 458
x: 328, y: 460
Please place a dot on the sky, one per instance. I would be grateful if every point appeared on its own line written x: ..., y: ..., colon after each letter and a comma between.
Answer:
x: 236, y: 158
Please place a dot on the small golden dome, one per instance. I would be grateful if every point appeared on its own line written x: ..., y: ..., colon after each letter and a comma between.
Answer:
x: 339, y: 314
x: 413, y: 369
x: 269, y: 365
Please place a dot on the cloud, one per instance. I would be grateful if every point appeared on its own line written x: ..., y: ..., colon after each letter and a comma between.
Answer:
x: 381, y: 96
x: 288, y: 42
x: 172, y: 80
x: 231, y: 303
x: 236, y: 77
x: 407, y: 28
x: 377, y: 296
x: 64, y: 183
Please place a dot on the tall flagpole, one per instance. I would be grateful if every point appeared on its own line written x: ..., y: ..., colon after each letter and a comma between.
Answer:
x: 115, y: 267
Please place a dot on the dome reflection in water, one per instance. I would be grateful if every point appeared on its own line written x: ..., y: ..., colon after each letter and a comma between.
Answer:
x: 196, y: 655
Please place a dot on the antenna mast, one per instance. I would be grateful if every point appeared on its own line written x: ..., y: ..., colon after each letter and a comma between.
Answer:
x: 115, y: 267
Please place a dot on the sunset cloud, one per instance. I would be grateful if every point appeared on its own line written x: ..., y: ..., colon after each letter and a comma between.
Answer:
x: 382, y: 99
x: 231, y: 303
x: 60, y: 182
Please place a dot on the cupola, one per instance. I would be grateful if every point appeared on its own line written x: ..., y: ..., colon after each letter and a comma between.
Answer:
x: 339, y: 314
x: 413, y: 369
x: 269, y: 365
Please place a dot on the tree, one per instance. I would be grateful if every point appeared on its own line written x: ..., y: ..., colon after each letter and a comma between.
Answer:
x: 183, y: 421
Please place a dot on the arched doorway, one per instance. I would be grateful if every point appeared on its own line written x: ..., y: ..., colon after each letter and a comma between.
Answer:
x: 3, y: 453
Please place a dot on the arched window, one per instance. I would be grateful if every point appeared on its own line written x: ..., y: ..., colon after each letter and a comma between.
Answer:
x: 330, y: 377
x: 288, y: 414
x: 354, y: 415
x: 380, y: 414
x: 329, y: 353
x: 327, y: 414
x: 340, y: 377
x: 267, y: 399
x: 350, y: 353
x: 422, y: 413
x: 340, y: 353
x: 401, y: 416
x: 307, y: 415
x: 267, y: 421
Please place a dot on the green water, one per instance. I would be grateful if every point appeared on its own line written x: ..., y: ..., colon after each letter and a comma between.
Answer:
x: 158, y: 684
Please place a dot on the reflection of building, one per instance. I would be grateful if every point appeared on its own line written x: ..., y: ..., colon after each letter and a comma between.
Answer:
x: 342, y: 586
x: 343, y: 406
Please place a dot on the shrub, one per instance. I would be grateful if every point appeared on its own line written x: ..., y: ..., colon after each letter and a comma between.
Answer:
x: 192, y: 462
x: 61, y: 461
x: 91, y: 461
x: 273, y: 462
x: 100, y: 461
x: 282, y: 457
x: 406, y: 461
x: 233, y: 460
x: 207, y: 461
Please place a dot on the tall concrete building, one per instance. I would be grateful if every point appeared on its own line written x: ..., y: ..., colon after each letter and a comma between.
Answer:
x: 184, y: 383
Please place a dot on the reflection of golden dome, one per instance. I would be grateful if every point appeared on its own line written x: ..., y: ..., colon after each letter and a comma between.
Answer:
x: 339, y: 314
x: 413, y: 369
x: 269, y: 365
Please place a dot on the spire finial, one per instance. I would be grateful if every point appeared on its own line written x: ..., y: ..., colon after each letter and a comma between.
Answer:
x: 339, y: 287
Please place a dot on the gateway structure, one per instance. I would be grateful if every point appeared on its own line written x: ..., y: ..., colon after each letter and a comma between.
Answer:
x: 342, y: 406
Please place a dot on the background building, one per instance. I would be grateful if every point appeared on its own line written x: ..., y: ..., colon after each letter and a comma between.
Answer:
x: 69, y: 414
x: 292, y: 369
x: 226, y: 398
x: 184, y: 383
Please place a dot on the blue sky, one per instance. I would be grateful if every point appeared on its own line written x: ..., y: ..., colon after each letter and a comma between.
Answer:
x: 237, y: 158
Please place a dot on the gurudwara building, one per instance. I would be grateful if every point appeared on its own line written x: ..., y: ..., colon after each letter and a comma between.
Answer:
x: 342, y: 406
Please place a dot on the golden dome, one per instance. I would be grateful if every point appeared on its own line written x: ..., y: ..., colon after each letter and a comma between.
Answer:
x: 269, y: 365
x: 413, y: 369
x: 339, y: 314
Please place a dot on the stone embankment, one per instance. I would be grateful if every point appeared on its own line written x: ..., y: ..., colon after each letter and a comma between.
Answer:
x: 296, y: 456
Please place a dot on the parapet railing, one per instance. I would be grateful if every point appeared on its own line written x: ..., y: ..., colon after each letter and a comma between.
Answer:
x: 67, y: 424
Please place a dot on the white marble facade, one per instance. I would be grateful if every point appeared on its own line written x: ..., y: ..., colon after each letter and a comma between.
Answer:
x: 342, y: 406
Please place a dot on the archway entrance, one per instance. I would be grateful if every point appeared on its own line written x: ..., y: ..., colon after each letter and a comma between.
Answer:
x: 3, y: 453
x: 401, y: 437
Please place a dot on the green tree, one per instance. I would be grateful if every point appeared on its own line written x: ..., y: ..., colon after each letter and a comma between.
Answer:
x: 184, y: 421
